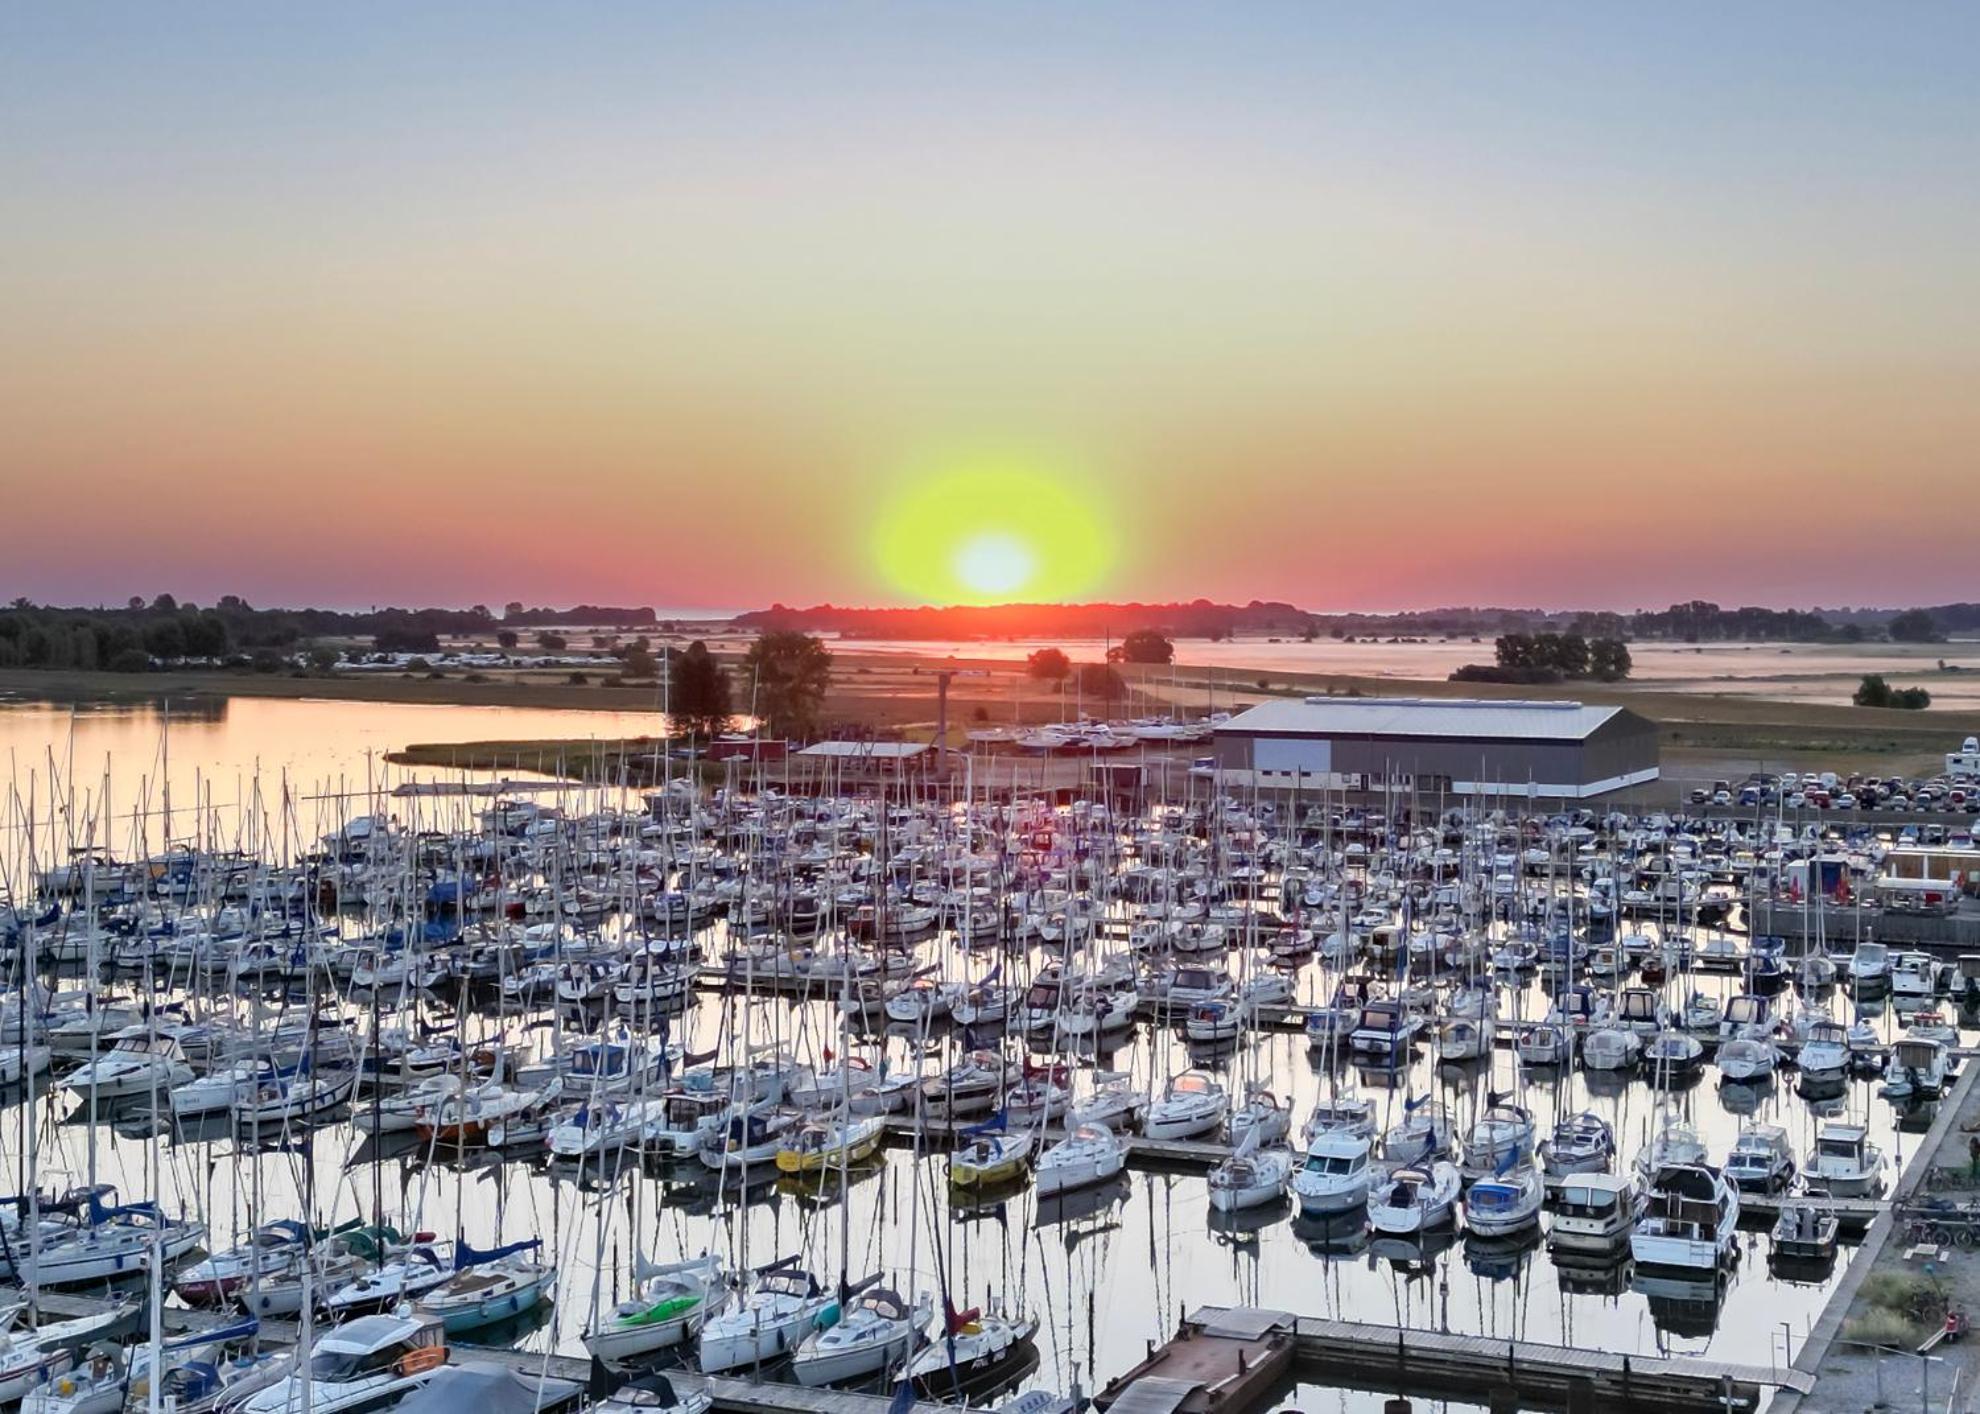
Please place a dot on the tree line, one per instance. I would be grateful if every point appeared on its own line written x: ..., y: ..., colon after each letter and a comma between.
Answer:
x: 1549, y: 658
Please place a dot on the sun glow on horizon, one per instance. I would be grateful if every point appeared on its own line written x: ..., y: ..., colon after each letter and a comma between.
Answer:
x: 991, y: 529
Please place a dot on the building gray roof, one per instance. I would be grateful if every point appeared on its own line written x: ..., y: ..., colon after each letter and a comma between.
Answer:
x: 867, y: 750
x: 1420, y: 717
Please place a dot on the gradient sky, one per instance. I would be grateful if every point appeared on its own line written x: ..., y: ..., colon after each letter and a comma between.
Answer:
x: 1356, y: 306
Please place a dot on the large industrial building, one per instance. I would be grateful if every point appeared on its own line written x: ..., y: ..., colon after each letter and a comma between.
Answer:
x: 1455, y: 747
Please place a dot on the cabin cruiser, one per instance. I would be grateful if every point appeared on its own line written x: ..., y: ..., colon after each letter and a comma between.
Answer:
x: 362, y: 1365
x: 1762, y: 1159
x: 1194, y: 1104
x: 138, y: 1064
x: 1415, y: 1199
x: 1919, y: 1069
x: 1845, y: 1163
x: 1593, y: 1212
x: 1689, y: 1220
x: 1914, y: 976
x: 1868, y: 969
x: 1579, y: 1009
x: 1747, y: 1015
x: 1674, y: 1144
x: 489, y: 1287
x: 1343, y: 1113
x: 1336, y: 1174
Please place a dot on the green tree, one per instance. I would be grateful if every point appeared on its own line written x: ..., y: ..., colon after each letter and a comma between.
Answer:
x: 1608, y: 659
x: 1915, y: 626
x: 788, y: 673
x: 1048, y: 665
x: 1873, y: 691
x: 552, y: 642
x: 639, y: 661
x: 698, y: 692
x: 1144, y: 645
x: 165, y: 638
x: 322, y: 658
x: 506, y: 638
x: 1100, y: 681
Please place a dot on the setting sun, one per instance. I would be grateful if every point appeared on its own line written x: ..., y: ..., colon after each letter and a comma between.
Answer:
x: 991, y: 529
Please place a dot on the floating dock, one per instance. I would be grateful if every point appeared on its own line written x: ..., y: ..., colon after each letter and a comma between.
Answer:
x: 1220, y: 1360
x: 1384, y: 1358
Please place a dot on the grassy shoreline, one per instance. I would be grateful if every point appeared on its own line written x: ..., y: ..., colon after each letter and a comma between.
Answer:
x: 1711, y: 732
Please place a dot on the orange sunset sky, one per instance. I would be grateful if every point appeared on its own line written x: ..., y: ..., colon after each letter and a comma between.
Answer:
x: 715, y: 304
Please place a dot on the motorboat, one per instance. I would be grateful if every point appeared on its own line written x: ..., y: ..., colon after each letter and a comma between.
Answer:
x: 672, y: 1303
x: 876, y: 1330
x: 1919, y: 1069
x: 1748, y: 1058
x: 1194, y: 1104
x: 1336, y: 1174
x: 1507, y: 1202
x: 1415, y: 1199
x: 1089, y: 1155
x: 366, y: 1364
x: 1868, y: 970
x: 1593, y: 1212
x: 1584, y: 1143
x: 1824, y: 1053
x: 1762, y: 1159
x: 140, y: 1063
x: 1803, y: 1233
x: 1689, y: 1220
x: 1845, y: 1163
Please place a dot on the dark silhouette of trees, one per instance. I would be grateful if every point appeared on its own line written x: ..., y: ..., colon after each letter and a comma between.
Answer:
x: 1144, y: 645
x: 1873, y: 691
x: 698, y: 697
x: 1915, y: 626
